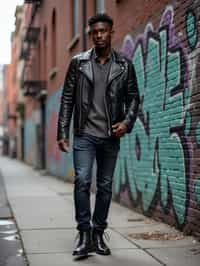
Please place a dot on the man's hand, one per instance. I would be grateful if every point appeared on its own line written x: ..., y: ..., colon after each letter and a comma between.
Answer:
x: 63, y: 145
x: 119, y: 129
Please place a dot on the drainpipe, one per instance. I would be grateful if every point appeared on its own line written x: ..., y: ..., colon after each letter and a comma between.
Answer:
x: 84, y: 37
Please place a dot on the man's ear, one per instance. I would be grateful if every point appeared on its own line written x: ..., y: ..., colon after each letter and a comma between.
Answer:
x: 112, y: 31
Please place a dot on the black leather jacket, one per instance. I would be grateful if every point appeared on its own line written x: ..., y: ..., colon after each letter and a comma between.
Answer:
x: 121, y: 97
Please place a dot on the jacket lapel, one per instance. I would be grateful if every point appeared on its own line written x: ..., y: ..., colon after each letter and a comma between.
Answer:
x: 86, y: 69
x: 86, y: 65
x: 115, y: 70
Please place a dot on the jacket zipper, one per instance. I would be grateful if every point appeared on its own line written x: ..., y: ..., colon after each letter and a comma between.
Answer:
x: 106, y: 107
x: 80, y: 124
x: 108, y: 115
x: 80, y: 105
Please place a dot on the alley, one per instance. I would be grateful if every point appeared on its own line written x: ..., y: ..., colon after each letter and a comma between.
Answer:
x: 43, y: 209
x: 157, y: 171
x: 53, y: 89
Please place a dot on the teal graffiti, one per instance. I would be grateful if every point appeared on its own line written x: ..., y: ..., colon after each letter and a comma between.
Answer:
x: 58, y: 163
x: 197, y: 190
x: 198, y: 133
x: 191, y: 29
x: 152, y: 157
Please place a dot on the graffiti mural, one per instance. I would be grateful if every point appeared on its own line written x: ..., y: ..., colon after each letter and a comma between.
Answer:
x: 155, y: 165
x: 58, y: 163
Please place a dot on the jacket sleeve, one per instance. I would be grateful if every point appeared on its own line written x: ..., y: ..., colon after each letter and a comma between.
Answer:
x: 67, y: 102
x: 132, y: 98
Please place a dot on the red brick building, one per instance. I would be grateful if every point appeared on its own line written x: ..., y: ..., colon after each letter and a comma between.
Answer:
x: 1, y: 108
x: 1, y: 95
x: 157, y: 170
x: 10, y: 107
x: 11, y: 92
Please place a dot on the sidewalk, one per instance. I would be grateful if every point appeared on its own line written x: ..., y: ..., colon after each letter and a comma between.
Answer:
x: 43, y: 209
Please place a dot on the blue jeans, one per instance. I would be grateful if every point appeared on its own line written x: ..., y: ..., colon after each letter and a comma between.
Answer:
x: 86, y: 149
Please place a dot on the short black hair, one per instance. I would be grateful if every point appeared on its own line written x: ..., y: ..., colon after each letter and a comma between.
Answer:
x: 100, y: 17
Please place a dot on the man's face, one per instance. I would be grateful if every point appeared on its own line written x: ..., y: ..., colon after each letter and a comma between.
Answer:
x: 101, y: 33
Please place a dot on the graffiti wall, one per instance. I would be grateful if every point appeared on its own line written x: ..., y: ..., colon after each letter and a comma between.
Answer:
x: 30, y: 141
x: 158, y: 170
x: 58, y: 163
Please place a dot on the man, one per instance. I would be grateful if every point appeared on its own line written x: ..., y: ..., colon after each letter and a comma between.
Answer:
x: 101, y: 91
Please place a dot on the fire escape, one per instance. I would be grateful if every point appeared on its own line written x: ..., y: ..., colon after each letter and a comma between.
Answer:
x: 31, y: 84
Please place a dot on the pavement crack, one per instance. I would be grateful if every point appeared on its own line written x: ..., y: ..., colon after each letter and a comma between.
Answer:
x: 139, y: 247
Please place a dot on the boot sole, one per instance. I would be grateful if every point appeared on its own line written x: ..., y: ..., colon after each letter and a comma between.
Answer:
x: 103, y: 253
x: 79, y: 254
x: 76, y: 253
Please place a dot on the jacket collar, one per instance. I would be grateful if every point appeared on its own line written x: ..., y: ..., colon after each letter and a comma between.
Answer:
x: 115, y: 69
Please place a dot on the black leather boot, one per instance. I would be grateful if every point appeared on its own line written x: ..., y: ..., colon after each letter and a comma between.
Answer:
x: 99, y: 244
x: 84, y: 245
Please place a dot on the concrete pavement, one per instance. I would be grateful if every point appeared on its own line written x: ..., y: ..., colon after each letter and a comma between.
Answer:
x: 43, y: 209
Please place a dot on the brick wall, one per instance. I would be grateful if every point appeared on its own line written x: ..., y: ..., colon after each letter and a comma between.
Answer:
x: 158, y: 169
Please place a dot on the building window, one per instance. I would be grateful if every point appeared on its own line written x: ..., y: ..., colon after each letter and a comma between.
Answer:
x: 53, y: 39
x: 99, y: 6
x: 75, y: 17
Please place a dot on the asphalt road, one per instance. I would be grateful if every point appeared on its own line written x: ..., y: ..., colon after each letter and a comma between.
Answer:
x: 11, y: 251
